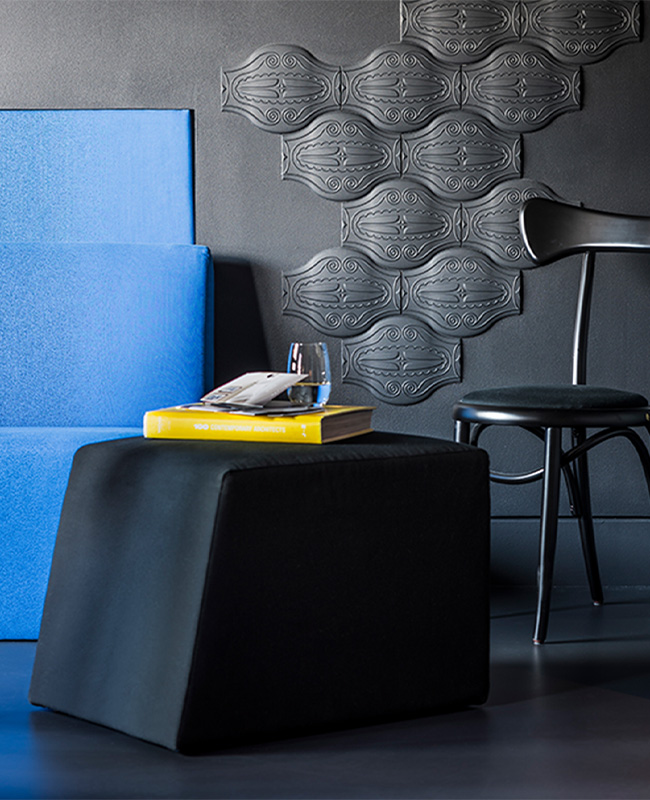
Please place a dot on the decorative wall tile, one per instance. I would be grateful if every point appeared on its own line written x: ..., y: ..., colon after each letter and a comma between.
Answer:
x: 402, y: 224
x: 399, y: 224
x: 461, y: 293
x: 460, y: 156
x: 420, y: 144
x: 341, y: 156
x: 340, y: 292
x: 400, y: 87
x: 581, y: 32
x: 574, y: 31
x: 460, y: 31
x: 281, y: 88
x: 491, y: 224
x: 400, y: 360
x: 520, y: 88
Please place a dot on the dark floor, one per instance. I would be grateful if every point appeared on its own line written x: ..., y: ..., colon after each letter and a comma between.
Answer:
x: 570, y: 719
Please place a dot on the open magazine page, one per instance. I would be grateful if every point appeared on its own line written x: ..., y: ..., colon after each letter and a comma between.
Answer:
x: 254, y: 393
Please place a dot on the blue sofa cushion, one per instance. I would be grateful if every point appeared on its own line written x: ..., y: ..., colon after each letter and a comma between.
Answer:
x: 34, y: 468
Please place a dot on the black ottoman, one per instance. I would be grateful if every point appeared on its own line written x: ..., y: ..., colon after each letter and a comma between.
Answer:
x: 206, y: 594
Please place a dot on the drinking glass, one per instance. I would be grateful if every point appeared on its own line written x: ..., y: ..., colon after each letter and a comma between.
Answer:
x: 311, y: 359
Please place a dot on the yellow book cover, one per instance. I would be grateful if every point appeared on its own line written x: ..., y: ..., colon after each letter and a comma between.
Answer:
x: 316, y: 427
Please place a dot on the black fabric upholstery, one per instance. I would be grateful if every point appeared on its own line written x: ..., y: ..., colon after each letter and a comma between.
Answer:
x: 208, y: 594
x: 555, y: 397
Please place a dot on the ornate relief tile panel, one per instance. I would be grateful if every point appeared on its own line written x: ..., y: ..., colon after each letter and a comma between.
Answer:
x: 460, y: 156
x: 400, y: 87
x: 573, y: 31
x: 491, y: 224
x: 581, y: 32
x: 341, y: 156
x: 400, y: 360
x: 520, y: 88
x: 281, y: 88
x: 341, y: 293
x: 420, y: 144
x: 460, y: 293
x: 400, y: 224
x: 460, y: 31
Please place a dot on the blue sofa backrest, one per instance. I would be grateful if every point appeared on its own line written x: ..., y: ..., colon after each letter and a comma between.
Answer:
x: 105, y: 310
x: 96, y: 176
x: 97, y: 334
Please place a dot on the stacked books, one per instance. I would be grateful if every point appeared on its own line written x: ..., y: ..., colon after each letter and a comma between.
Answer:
x: 228, y: 413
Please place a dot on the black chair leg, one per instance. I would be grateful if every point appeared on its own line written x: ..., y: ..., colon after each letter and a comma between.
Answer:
x: 548, y: 529
x: 586, y: 523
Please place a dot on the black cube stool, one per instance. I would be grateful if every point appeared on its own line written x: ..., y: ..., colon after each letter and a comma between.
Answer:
x: 208, y: 594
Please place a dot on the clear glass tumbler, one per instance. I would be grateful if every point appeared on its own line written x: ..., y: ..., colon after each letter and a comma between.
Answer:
x: 311, y: 359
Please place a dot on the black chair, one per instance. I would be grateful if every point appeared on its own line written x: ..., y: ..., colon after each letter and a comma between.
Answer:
x: 552, y: 230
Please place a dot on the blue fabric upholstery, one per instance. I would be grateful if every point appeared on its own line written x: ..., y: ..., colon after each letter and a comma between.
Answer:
x: 98, y: 334
x: 96, y: 176
x: 92, y: 336
x: 34, y: 468
x: 105, y: 309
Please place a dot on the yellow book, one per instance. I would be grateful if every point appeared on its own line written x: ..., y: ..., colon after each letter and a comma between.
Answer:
x: 315, y: 427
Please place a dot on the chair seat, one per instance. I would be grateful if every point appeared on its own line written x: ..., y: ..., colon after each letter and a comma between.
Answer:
x: 563, y: 404
x: 560, y: 396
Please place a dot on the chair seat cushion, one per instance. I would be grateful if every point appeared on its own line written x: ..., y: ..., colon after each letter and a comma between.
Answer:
x: 566, y: 396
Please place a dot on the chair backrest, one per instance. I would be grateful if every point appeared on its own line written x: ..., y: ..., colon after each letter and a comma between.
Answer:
x: 553, y: 230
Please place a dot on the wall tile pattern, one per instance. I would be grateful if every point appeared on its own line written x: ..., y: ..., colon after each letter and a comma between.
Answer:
x: 420, y: 144
x: 573, y: 32
x: 400, y: 360
x: 458, y: 156
x: 458, y: 293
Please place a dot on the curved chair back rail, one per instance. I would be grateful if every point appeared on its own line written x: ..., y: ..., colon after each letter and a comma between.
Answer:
x: 551, y: 231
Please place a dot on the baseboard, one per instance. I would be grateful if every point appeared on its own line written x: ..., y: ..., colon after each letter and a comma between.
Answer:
x: 623, y: 547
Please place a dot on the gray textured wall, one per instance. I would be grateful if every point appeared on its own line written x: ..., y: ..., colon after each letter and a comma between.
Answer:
x: 169, y: 53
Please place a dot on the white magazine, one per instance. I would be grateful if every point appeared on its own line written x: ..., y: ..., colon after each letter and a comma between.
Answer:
x: 254, y: 393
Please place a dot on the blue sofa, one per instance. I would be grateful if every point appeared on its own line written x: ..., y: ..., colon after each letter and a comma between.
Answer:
x: 92, y: 336
x: 105, y: 310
